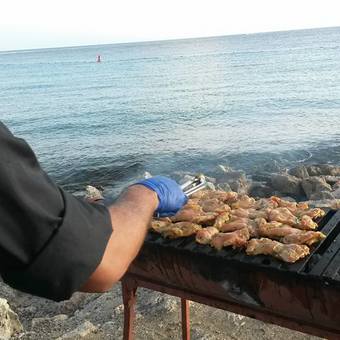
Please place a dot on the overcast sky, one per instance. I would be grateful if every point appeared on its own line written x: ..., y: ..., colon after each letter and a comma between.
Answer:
x: 50, y: 23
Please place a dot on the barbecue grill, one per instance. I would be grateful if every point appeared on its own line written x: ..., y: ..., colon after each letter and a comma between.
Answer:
x: 304, y: 296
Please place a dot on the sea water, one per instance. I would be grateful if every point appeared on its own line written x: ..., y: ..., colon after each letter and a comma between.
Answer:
x: 258, y: 102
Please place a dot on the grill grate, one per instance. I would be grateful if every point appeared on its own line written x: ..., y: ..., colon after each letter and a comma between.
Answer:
x: 322, y: 263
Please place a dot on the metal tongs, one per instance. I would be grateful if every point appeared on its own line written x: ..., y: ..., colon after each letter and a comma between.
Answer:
x: 194, y: 185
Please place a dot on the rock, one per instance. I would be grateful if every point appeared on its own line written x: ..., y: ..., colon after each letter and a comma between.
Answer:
x: 336, y: 193
x: 336, y: 185
x: 322, y: 195
x: 259, y: 189
x: 237, y: 181
x: 223, y: 168
x: 299, y: 171
x: 323, y: 169
x: 210, y: 186
x: 81, y: 331
x: 9, y: 321
x: 42, y: 322
x: 288, y: 198
x: 313, y: 185
x: 287, y: 184
x: 331, y: 179
x: 332, y: 204
x: 93, y: 194
x: 223, y: 187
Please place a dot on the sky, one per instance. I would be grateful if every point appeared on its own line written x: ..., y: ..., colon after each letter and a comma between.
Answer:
x: 26, y: 24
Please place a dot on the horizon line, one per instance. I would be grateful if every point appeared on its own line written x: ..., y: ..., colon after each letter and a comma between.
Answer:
x: 164, y: 40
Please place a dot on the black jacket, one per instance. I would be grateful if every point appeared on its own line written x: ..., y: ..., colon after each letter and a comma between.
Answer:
x: 50, y: 241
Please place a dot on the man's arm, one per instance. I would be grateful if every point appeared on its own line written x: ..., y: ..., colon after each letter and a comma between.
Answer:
x: 130, y: 217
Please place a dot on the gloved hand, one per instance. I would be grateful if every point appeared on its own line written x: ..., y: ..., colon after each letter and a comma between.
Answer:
x: 170, y: 195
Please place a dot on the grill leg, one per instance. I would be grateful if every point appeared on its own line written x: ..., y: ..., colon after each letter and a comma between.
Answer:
x: 129, y: 289
x: 185, y: 310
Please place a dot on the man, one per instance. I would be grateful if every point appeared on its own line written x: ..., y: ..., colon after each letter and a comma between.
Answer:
x: 53, y: 244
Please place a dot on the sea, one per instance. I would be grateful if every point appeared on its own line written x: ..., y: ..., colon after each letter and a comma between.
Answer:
x: 256, y: 102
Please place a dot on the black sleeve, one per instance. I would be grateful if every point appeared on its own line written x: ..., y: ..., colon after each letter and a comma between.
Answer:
x: 50, y: 241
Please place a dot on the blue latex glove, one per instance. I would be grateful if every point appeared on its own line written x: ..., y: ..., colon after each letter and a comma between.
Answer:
x: 170, y: 195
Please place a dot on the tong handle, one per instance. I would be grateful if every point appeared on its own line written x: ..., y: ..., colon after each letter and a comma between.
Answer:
x: 198, y: 183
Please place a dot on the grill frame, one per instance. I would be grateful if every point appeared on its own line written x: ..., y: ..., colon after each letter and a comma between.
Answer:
x: 302, y: 296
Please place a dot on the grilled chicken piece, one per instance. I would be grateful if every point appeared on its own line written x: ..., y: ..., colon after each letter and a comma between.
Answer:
x: 226, y: 197
x: 312, y: 213
x: 187, y: 213
x: 304, y: 237
x: 286, y: 252
x: 214, y: 205
x: 263, y: 213
x: 180, y: 229
x: 244, y: 202
x: 207, y: 219
x: 221, y: 220
x: 240, y: 212
x: 234, y: 225
x: 237, y: 239
x: 291, y: 206
x: 159, y: 225
x: 302, y: 206
x: 277, y: 232
x: 205, y: 235
x: 283, y: 215
x: 193, y: 213
x: 306, y: 223
x: 265, y: 203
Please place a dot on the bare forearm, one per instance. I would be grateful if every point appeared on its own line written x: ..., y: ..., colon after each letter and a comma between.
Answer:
x: 130, y: 217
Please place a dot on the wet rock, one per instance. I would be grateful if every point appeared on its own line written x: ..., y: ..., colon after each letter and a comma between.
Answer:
x: 322, y: 195
x: 287, y: 184
x: 336, y: 193
x: 80, y: 332
x: 336, y: 185
x: 224, y: 168
x: 288, y: 198
x: 331, y: 179
x: 259, y: 189
x: 299, y: 171
x: 314, y: 185
x: 237, y: 180
x: 93, y: 194
x: 9, y: 321
x: 332, y: 204
x: 223, y: 187
x: 323, y: 169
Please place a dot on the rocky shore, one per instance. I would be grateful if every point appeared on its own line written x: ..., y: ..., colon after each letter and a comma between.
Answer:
x: 100, y: 316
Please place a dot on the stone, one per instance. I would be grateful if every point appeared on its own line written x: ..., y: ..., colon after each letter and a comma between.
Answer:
x: 332, y: 204
x: 323, y: 169
x: 93, y: 194
x: 288, y: 198
x: 336, y: 185
x: 313, y: 185
x: 42, y: 322
x: 259, y: 189
x: 299, y: 171
x: 322, y: 195
x: 9, y: 321
x: 236, y: 179
x: 223, y: 187
x: 81, y: 331
x: 286, y: 184
x: 331, y: 179
x: 223, y: 168
x: 336, y: 193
